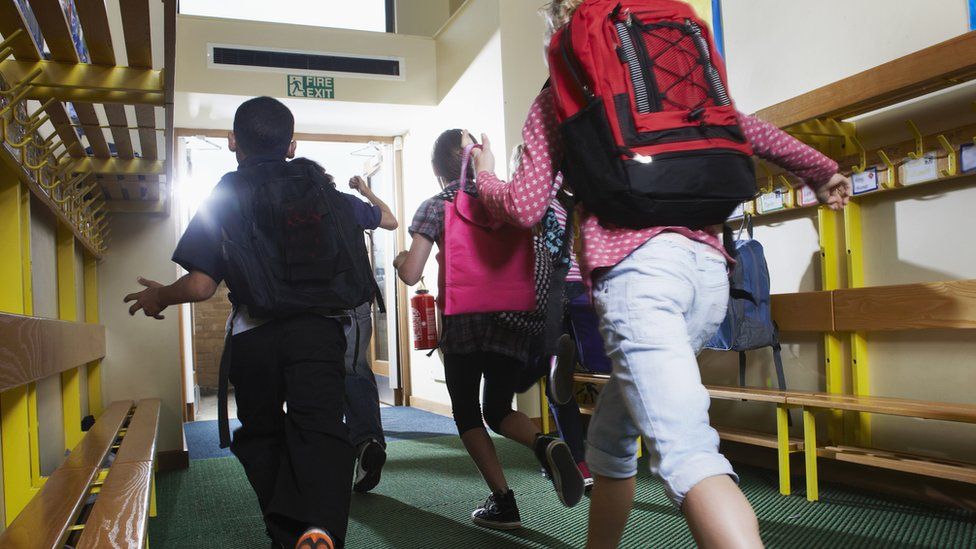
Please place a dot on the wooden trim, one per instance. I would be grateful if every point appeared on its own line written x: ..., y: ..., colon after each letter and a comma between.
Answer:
x: 139, y: 443
x: 380, y: 368
x: 937, y: 305
x: 137, y: 32
x: 172, y: 460
x: 46, y: 519
x: 98, y: 36
x: 93, y: 130
x: 54, y: 27
x: 940, y: 66
x: 431, y: 406
x: 37, y: 348
x: 120, y: 516
x: 803, y: 312
x: 402, y: 297
x: 756, y: 438
x: 906, y: 463
x: 747, y: 394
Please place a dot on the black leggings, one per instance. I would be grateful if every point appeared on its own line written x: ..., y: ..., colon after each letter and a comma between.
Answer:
x: 463, y: 373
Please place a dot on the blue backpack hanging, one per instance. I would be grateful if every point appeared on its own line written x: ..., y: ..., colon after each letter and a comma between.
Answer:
x: 748, y: 324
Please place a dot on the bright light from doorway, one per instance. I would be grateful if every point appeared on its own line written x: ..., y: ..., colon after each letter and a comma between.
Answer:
x: 365, y: 15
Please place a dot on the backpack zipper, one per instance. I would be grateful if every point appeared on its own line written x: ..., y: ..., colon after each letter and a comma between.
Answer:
x: 720, y: 94
x: 646, y: 94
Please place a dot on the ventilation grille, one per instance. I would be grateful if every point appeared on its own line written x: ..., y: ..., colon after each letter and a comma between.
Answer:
x: 223, y: 55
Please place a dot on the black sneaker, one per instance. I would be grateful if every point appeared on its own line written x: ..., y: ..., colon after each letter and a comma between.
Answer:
x: 499, y: 512
x: 559, y: 465
x: 561, y: 368
x: 372, y: 457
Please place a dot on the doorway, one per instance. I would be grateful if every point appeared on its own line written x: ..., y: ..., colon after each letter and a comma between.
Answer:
x: 203, y: 159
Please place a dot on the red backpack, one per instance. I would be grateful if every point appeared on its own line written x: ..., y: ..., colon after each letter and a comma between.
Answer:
x: 650, y: 132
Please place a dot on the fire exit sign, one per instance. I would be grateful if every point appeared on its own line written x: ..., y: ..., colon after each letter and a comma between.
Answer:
x: 316, y: 87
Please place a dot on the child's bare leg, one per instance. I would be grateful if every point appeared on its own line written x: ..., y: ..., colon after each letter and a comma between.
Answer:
x: 482, y: 452
x: 610, y: 504
x: 518, y: 427
x: 720, y: 516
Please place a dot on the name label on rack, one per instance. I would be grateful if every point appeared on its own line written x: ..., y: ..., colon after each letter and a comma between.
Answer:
x: 771, y: 202
x: 967, y: 157
x: 865, y: 181
x: 921, y: 170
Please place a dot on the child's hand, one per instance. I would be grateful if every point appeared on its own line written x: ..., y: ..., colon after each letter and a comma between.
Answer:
x: 484, y: 159
x: 359, y: 185
x: 836, y: 193
x: 147, y: 300
x: 399, y: 259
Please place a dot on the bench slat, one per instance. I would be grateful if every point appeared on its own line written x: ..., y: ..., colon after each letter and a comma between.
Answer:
x: 139, y: 443
x: 757, y: 438
x: 748, y: 393
x: 44, y: 523
x: 965, y: 413
x: 98, y: 441
x: 906, y: 463
x: 120, y: 516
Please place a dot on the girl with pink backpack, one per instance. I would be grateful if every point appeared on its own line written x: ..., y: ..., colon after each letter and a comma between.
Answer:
x: 473, y: 344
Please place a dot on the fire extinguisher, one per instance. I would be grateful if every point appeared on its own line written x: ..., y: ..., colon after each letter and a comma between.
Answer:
x: 424, y: 310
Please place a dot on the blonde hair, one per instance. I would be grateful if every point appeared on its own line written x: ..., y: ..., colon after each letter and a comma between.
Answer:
x: 557, y: 14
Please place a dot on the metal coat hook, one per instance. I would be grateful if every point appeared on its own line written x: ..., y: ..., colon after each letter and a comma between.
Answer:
x: 5, y: 49
x: 770, y: 182
x: 919, y: 151
x: 951, y: 153
x: 33, y: 117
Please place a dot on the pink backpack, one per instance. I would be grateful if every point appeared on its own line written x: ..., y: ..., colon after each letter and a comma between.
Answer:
x: 488, y: 266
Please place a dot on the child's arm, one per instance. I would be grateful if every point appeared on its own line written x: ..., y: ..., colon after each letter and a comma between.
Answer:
x: 813, y: 168
x: 523, y: 200
x: 409, y: 265
x: 388, y: 221
x: 191, y: 288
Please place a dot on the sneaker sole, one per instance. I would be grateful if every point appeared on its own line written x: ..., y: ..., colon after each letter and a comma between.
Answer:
x: 561, y: 373
x: 566, y: 477
x: 497, y: 525
x: 315, y: 541
x: 372, y: 462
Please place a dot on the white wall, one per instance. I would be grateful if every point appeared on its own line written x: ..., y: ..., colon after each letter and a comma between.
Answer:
x: 777, y: 50
x: 142, y: 358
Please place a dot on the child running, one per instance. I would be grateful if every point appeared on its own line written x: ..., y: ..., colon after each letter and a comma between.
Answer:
x: 475, y: 348
x: 660, y: 292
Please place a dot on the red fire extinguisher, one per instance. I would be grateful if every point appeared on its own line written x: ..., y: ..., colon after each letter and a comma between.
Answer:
x: 424, y: 309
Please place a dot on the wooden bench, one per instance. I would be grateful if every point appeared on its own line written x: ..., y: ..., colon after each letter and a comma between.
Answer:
x: 114, y: 461
x: 897, y: 461
x: 780, y: 441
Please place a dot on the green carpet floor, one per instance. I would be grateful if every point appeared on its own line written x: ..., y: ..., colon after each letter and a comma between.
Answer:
x: 430, y: 486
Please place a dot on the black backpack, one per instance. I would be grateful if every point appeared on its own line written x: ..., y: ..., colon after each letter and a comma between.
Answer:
x: 293, y: 245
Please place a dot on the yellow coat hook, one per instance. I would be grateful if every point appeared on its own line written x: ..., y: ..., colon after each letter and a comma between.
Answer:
x: 919, y: 151
x: 861, y: 152
x: 951, y: 152
x: 892, y: 170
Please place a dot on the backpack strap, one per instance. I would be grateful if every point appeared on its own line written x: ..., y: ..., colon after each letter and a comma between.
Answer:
x: 572, y: 62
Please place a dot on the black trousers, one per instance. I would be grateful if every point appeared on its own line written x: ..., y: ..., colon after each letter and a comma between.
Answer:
x: 463, y: 373
x: 300, y: 463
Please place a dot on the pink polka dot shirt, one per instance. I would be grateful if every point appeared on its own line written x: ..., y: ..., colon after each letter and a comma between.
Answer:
x: 534, y: 184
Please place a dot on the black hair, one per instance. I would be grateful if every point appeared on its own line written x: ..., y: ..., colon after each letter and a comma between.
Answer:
x: 264, y: 126
x: 446, y: 157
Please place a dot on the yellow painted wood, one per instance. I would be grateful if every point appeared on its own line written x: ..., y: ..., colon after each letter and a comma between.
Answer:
x: 152, y: 496
x: 95, y: 403
x: 810, y: 453
x: 15, y: 425
x: 544, y: 407
x: 783, y: 448
x: 34, y: 435
x: 68, y: 310
x: 859, y: 427
x: 830, y: 267
x: 25, y: 252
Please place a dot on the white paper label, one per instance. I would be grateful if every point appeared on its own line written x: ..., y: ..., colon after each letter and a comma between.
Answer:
x: 739, y: 211
x: 866, y: 181
x: 967, y: 154
x: 807, y: 196
x: 921, y: 170
x: 770, y: 202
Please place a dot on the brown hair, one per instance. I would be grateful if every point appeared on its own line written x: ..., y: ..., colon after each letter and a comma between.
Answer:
x: 446, y: 157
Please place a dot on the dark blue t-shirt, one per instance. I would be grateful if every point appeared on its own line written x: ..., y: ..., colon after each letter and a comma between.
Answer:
x: 199, y: 247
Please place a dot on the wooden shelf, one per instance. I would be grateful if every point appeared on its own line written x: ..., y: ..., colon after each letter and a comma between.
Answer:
x: 934, y: 68
x: 757, y: 438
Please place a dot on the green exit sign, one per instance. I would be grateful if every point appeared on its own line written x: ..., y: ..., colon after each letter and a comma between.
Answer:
x: 316, y: 87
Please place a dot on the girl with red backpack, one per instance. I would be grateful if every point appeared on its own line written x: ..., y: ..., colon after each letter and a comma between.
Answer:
x: 475, y: 347
x: 657, y: 161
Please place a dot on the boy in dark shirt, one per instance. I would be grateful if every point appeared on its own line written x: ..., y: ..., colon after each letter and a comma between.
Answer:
x: 299, y: 462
